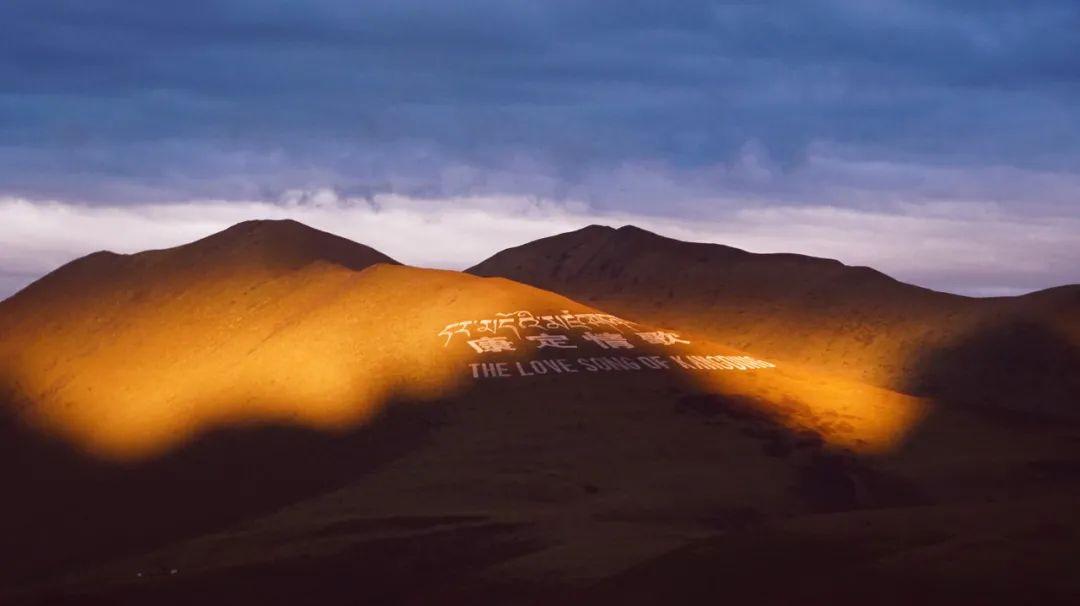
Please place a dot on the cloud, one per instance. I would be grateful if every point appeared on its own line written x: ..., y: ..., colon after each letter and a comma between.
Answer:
x: 968, y: 249
x: 113, y: 101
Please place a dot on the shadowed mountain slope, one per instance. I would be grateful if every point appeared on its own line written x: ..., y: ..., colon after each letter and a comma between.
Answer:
x: 1017, y: 352
x: 274, y: 412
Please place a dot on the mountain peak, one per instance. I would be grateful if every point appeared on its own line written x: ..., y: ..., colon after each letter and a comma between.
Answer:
x: 252, y: 226
x: 283, y: 243
x: 274, y: 228
x: 608, y: 230
x: 249, y: 246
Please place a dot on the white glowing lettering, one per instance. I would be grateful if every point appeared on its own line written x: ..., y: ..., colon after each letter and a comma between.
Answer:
x: 516, y: 323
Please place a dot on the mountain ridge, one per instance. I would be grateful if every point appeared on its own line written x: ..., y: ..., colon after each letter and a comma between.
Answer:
x: 848, y: 320
x: 734, y: 251
x: 272, y: 408
x: 263, y: 244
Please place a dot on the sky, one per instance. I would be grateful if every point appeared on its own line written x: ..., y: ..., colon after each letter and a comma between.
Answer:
x: 936, y: 141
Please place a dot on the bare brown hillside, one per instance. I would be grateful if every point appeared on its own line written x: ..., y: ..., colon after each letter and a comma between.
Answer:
x: 1016, y: 352
x: 280, y: 415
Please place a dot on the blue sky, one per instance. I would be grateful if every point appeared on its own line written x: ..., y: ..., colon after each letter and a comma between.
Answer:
x: 938, y: 141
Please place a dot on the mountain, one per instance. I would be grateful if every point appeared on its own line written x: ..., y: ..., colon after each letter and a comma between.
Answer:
x: 275, y: 414
x: 1013, y: 352
x: 255, y: 246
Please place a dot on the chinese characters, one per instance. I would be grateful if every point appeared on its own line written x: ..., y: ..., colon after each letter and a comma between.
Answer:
x: 510, y: 331
x: 516, y: 323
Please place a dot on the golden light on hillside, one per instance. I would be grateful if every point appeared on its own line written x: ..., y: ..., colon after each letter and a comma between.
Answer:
x: 144, y: 365
x: 840, y: 412
x: 323, y: 347
x: 845, y: 414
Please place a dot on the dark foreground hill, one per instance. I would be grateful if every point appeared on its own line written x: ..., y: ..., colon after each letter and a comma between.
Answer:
x: 1021, y: 353
x: 275, y: 415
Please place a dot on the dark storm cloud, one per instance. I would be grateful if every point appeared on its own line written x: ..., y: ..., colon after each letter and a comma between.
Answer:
x: 144, y: 100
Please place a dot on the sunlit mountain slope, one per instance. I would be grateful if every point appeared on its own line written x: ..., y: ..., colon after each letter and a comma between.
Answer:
x: 130, y: 355
x: 276, y: 408
x: 1019, y: 352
